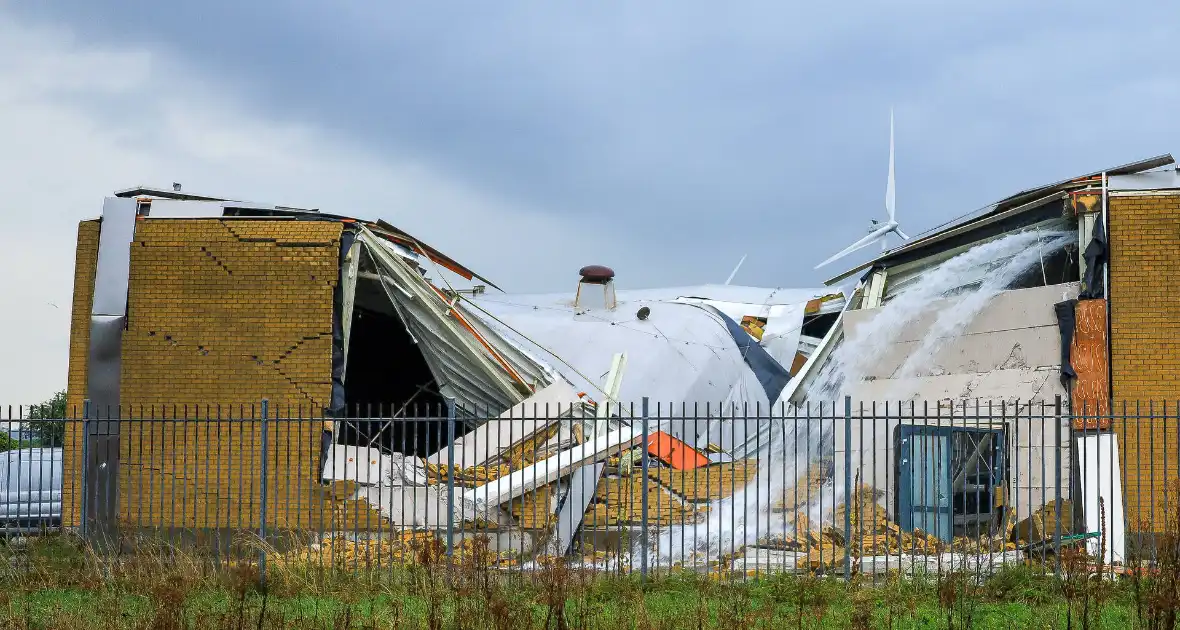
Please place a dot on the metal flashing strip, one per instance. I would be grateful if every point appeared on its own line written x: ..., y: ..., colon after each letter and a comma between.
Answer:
x: 108, y: 311
x: 108, y: 318
x: 148, y: 191
x: 1163, y: 192
x: 183, y: 209
x: 1149, y: 181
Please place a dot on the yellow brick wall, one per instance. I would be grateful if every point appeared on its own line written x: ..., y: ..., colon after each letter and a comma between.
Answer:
x: 221, y: 314
x: 85, y: 263
x: 1145, y: 349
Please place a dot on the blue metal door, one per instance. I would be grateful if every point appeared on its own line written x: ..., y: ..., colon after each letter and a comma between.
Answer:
x: 924, y: 497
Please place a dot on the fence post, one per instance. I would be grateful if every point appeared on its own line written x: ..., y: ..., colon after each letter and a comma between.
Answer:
x: 85, y: 465
x: 1057, y: 475
x: 847, y: 488
x: 262, y: 492
x: 450, y: 476
x: 643, y: 465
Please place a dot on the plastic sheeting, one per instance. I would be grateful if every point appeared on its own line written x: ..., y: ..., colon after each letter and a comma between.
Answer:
x: 1095, y: 255
x: 339, y: 350
x: 771, y: 374
x: 1066, y: 323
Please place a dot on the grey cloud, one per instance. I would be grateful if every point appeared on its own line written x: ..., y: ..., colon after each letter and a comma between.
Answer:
x: 695, y: 134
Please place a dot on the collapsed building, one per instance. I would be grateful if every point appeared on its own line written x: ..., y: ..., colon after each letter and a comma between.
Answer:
x: 189, y: 307
x: 954, y: 347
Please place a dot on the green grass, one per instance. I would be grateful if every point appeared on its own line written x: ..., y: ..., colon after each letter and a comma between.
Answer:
x: 60, y: 585
x: 78, y: 608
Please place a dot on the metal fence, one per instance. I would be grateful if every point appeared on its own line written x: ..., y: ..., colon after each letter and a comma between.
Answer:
x: 834, y: 489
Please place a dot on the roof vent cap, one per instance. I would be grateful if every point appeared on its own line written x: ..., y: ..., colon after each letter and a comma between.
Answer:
x: 596, y: 289
x: 596, y: 273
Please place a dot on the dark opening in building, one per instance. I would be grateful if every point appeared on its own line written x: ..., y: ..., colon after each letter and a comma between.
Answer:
x: 1058, y: 267
x: 391, y: 394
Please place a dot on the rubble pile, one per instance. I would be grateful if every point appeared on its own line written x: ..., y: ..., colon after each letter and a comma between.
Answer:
x: 400, y: 549
x: 471, y: 476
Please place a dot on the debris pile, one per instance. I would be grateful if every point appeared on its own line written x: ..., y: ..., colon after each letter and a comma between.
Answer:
x: 404, y: 548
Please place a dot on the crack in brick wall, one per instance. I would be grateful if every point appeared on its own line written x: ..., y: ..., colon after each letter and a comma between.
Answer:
x: 222, y: 313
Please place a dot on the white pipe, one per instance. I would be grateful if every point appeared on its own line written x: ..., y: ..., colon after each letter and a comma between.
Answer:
x: 1106, y: 234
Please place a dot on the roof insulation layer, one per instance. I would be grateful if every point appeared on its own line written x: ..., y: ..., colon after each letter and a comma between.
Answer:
x: 682, y: 357
x: 783, y: 310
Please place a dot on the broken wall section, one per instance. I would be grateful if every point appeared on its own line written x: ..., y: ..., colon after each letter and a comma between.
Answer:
x: 1004, y: 367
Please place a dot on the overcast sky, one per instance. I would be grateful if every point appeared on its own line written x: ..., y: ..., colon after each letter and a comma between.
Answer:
x: 665, y: 139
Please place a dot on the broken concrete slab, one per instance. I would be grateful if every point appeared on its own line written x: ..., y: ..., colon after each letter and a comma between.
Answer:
x: 369, y: 466
x: 414, y: 507
x: 770, y: 560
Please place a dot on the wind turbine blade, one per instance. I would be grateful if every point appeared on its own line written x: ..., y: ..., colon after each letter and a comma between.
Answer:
x: 901, y: 234
x: 735, y: 269
x: 890, y: 192
x: 864, y: 242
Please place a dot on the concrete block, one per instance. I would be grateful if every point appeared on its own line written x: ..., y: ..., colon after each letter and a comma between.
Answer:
x: 770, y: 561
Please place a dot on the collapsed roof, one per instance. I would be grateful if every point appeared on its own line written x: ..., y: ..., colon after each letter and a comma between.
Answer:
x: 708, y: 345
x: 1019, y: 210
x: 1046, y: 216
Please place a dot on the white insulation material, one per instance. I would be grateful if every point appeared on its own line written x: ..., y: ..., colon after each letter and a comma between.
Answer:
x: 1098, y: 456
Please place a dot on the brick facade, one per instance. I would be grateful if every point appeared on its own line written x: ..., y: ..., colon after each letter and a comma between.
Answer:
x: 1145, y: 347
x: 85, y: 264
x: 221, y: 314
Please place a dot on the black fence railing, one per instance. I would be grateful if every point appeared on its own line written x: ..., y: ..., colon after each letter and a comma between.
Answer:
x: 832, y: 489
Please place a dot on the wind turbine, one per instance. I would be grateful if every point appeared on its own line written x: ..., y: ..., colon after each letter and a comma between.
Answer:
x: 735, y: 270
x: 878, y: 231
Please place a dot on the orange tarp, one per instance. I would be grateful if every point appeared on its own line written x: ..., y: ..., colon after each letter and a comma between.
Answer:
x: 675, y: 453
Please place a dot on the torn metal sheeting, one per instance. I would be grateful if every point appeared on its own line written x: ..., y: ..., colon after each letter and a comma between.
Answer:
x: 111, y: 276
x: 400, y: 236
x: 466, y: 366
x: 680, y: 353
x: 783, y: 323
